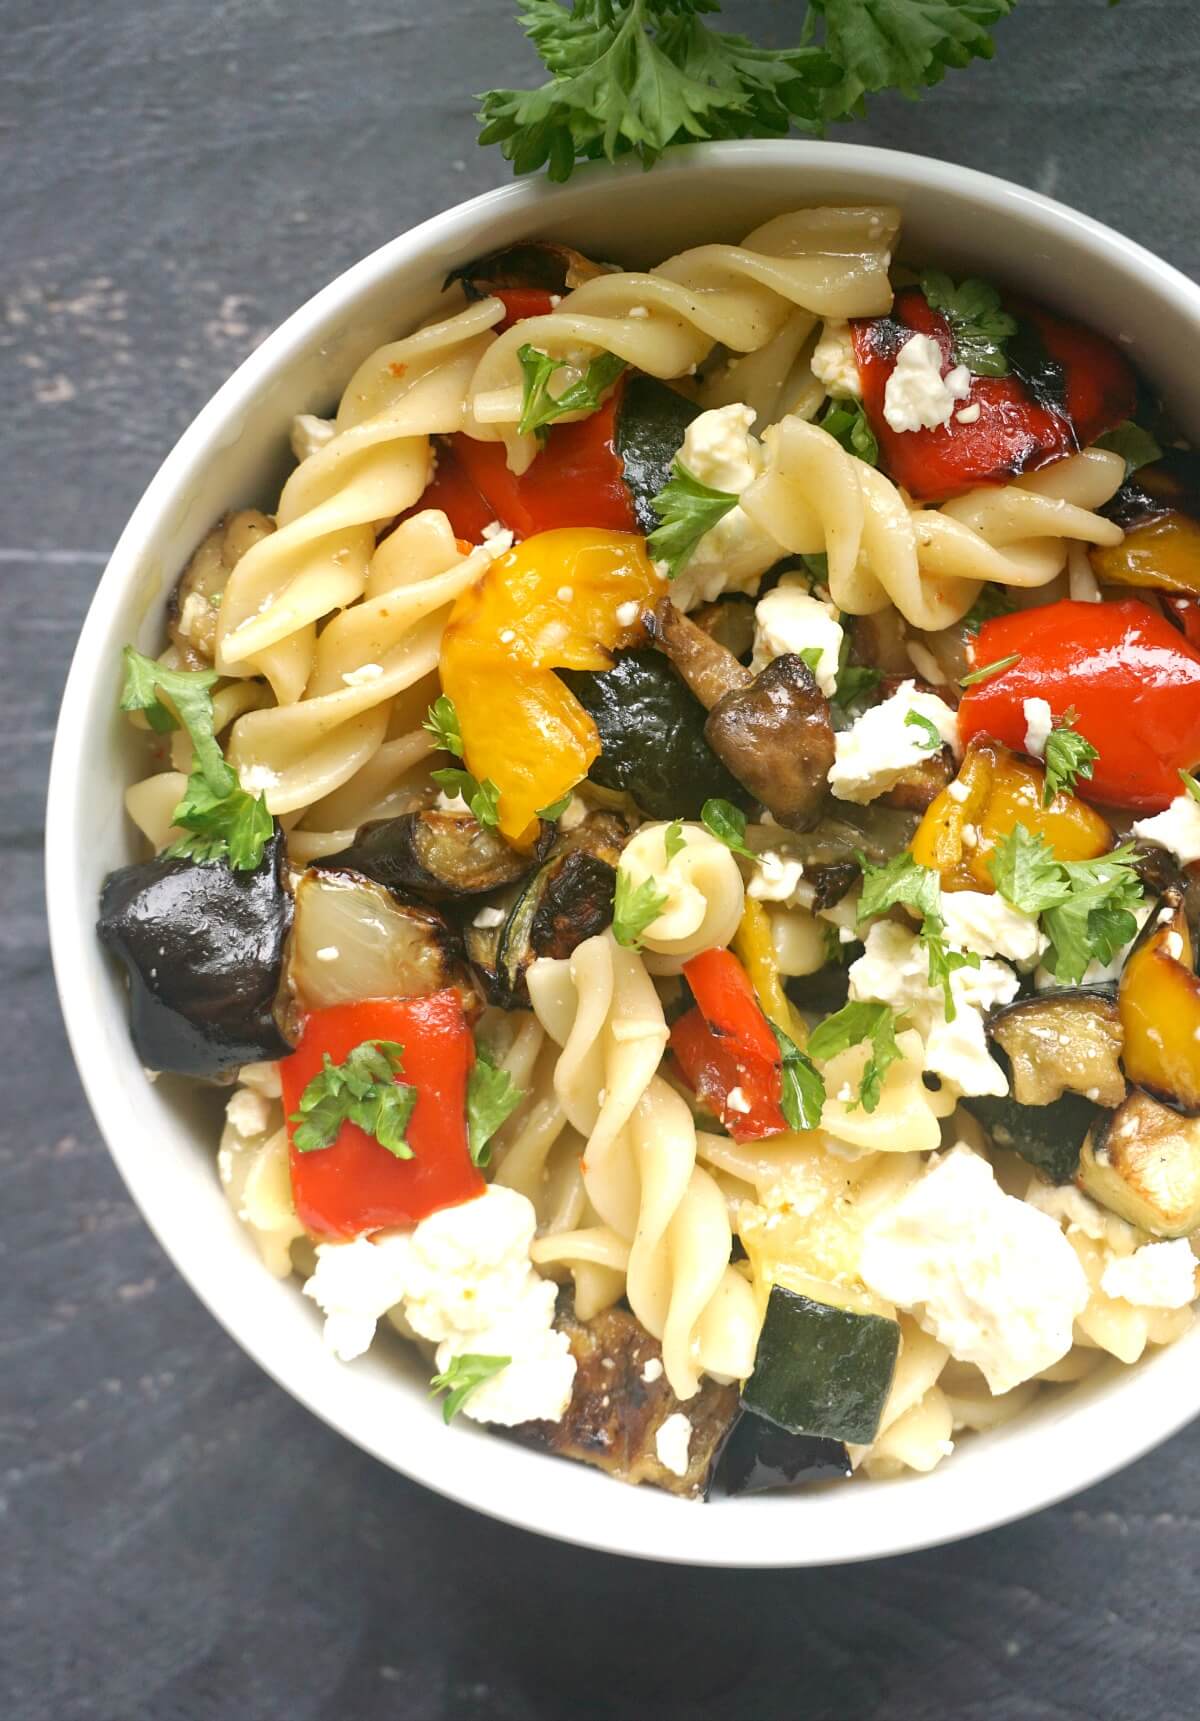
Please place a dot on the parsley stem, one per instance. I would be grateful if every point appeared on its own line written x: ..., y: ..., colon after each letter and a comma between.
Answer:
x: 990, y: 669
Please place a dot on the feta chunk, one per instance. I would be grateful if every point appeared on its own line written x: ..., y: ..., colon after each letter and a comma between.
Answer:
x: 1156, y: 1276
x: 990, y: 1277
x: 789, y: 620
x: 875, y: 752
x: 310, y: 434
x: 988, y: 926
x: 1039, y: 722
x: 1178, y: 829
x: 672, y: 1441
x: 833, y: 360
x: 917, y: 396
x: 451, y: 803
x: 363, y: 676
x: 719, y: 451
x: 488, y: 918
x: 248, y: 1113
x: 653, y: 1370
x: 355, y: 1284
x: 776, y: 877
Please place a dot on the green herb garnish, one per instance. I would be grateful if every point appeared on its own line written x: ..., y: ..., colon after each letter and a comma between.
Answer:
x: 852, y: 1024
x: 492, y: 1096
x: 1191, y: 784
x: 442, y: 723
x: 362, y: 1089
x: 465, y: 1374
x: 803, y: 1096
x: 1068, y: 756
x: 556, y: 809
x: 992, y: 601
x: 727, y: 823
x: 223, y: 819
x: 482, y: 798
x: 686, y: 510
x: 674, y: 839
x: 847, y: 422
x: 635, y: 908
x: 903, y: 881
x: 1087, y: 907
x: 978, y: 325
x: 540, y: 408
x: 990, y: 669
x: 1135, y: 446
x: 932, y: 737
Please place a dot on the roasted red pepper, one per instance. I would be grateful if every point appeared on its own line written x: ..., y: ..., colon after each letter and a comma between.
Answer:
x: 522, y: 302
x: 1132, y: 678
x: 725, y: 1048
x: 356, y: 1185
x: 1054, y: 400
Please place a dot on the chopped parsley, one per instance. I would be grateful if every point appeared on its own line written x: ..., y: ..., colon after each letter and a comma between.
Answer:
x: 1135, y: 446
x: 847, y: 422
x: 540, y: 408
x: 363, y: 1090
x: 441, y: 721
x: 990, y: 669
x: 1191, y: 784
x: 803, y: 1096
x: 992, y: 601
x: 635, y: 908
x: 556, y: 809
x: 727, y: 823
x: 674, y: 839
x: 851, y: 1025
x: 482, y: 798
x: 686, y: 509
x: 903, y: 881
x: 932, y: 740
x: 492, y: 1097
x: 979, y: 326
x: 1087, y: 908
x: 1067, y: 757
x: 464, y: 1376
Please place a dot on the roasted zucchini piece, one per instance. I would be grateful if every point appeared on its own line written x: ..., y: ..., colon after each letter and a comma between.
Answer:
x: 1060, y: 1041
x: 1159, y: 1003
x: 758, y: 1455
x: 1142, y: 1162
x: 652, y: 737
x: 822, y: 1370
x: 651, y: 423
x: 203, y: 947
x: 1049, y: 1136
x: 439, y: 855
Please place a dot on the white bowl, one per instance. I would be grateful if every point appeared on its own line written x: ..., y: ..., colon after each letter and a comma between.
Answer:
x: 163, y: 1138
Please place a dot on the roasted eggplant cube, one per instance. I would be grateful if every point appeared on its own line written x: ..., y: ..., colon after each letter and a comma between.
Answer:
x: 1142, y: 1162
x: 203, y: 947
x: 441, y: 856
x: 1062, y: 1041
x: 822, y: 1370
x: 758, y: 1456
x: 1048, y: 1137
x: 652, y: 742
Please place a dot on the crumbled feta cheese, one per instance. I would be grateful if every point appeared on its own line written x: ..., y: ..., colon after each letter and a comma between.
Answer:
x: 968, y: 414
x: 355, y: 1284
x: 719, y: 451
x: 987, y: 926
x: 248, y: 1112
x: 194, y: 616
x: 672, y: 1441
x: 628, y: 613
x: 775, y: 877
x: 497, y: 540
x: 736, y: 1100
x: 917, y: 396
x: 833, y: 360
x: 1156, y: 1276
x: 875, y: 752
x: 1039, y: 721
x: 310, y: 434
x: 489, y: 917
x: 894, y: 969
x: 328, y: 953
x: 1178, y: 829
x: 363, y: 676
x: 653, y: 1370
x: 257, y: 779
x: 958, y: 790
x: 987, y: 1275
x: 564, y: 594
x: 789, y: 620
x: 573, y: 814
x: 450, y: 803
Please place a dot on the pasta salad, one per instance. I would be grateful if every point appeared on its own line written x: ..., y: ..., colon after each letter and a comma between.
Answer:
x: 673, y: 844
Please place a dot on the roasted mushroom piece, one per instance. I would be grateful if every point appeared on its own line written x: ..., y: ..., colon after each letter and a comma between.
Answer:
x: 203, y: 947
x: 1060, y: 1041
x: 618, y: 1405
x: 772, y: 730
x: 194, y: 604
x: 439, y: 855
x: 1142, y: 1162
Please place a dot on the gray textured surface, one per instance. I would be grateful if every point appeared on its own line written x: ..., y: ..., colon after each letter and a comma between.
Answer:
x: 181, y: 1540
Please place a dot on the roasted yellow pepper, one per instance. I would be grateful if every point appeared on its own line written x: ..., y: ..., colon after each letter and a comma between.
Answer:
x: 1159, y: 1004
x: 565, y: 599
x: 755, y: 946
x: 993, y: 792
x: 1162, y: 553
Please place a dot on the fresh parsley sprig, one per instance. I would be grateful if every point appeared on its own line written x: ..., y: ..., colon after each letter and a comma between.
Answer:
x: 803, y: 1097
x: 362, y: 1089
x: 464, y: 1376
x: 931, y: 740
x: 847, y: 422
x: 673, y: 839
x: 223, y: 819
x: 978, y: 324
x: 1067, y: 757
x: 540, y: 408
x: 492, y: 1097
x: 1087, y: 908
x: 482, y: 798
x: 635, y: 76
x: 850, y: 1026
x: 902, y: 881
x: 992, y: 601
x: 441, y: 721
x: 721, y: 819
x: 686, y: 509
x: 635, y: 907
x: 1137, y: 447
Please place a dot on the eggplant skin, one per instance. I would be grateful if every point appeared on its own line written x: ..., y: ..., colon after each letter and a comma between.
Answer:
x: 758, y: 1455
x: 441, y: 856
x: 615, y: 1413
x: 203, y: 948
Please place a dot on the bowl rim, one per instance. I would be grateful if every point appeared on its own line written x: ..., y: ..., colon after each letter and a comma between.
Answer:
x: 70, y: 920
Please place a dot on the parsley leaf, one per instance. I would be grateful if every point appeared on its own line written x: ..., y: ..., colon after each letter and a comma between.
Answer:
x: 1190, y: 784
x: 990, y: 669
x: 221, y: 817
x: 460, y: 1380
x: 810, y: 656
x: 556, y: 809
x: 482, y: 798
x: 442, y: 723
x: 727, y: 823
x: 903, y: 881
x: 978, y: 324
x: 1067, y: 757
x: 992, y: 601
x: 1087, y: 907
x: 854, y: 680
x: 540, y: 408
x: 362, y: 1089
x: 1137, y: 447
x: 674, y: 839
x: 687, y: 510
x: 635, y: 908
x: 492, y: 1096
x: 847, y: 422
x: 803, y: 1096
x: 933, y: 740
x: 851, y: 1025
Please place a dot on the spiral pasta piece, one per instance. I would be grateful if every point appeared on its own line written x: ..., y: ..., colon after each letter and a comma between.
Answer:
x: 704, y: 893
x: 825, y: 262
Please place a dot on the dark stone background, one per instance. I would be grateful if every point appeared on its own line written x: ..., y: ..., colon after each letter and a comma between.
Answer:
x: 181, y: 1539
